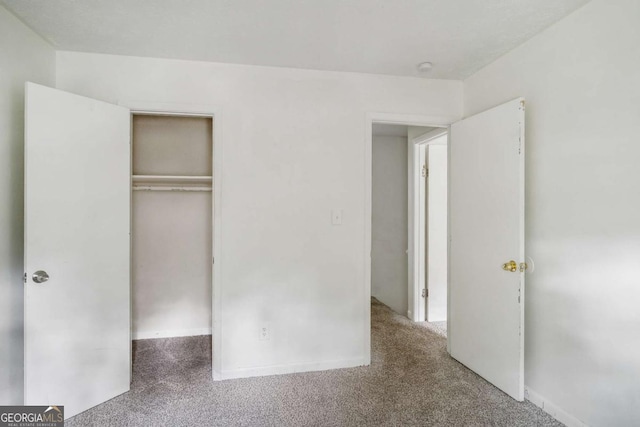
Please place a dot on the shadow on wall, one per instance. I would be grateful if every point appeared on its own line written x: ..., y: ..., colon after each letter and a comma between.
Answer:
x: 389, y: 223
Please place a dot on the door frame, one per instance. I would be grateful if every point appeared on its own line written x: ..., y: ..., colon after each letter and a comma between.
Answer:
x: 215, y: 113
x: 420, y: 214
x: 413, y: 289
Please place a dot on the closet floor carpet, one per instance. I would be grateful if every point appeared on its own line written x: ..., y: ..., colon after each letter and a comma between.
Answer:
x: 412, y: 381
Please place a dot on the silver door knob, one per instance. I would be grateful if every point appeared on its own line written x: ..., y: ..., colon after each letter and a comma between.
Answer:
x: 40, y: 276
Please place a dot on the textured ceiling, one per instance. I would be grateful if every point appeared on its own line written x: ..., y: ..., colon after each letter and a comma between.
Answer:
x: 371, y: 36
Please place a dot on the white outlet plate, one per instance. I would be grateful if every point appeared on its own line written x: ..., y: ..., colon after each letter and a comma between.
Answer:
x: 264, y: 333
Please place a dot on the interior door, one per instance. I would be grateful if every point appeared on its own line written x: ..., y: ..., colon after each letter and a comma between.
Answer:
x: 486, y: 311
x: 421, y: 233
x: 77, y: 299
x: 437, y: 231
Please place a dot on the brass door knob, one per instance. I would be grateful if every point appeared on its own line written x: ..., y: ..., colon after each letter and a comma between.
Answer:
x: 511, y: 266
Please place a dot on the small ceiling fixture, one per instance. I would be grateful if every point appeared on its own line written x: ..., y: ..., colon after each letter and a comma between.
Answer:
x: 425, y: 66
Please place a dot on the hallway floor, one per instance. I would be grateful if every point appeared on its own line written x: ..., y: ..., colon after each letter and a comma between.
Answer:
x: 439, y: 328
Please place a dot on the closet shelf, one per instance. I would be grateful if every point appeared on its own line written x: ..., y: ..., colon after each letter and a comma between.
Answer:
x: 171, y: 183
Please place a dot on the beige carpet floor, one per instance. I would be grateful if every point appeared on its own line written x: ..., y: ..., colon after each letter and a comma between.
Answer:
x: 439, y: 328
x: 412, y: 381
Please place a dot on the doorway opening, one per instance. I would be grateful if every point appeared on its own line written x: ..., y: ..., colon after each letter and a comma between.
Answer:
x: 171, y: 234
x: 485, y: 222
x: 402, y: 211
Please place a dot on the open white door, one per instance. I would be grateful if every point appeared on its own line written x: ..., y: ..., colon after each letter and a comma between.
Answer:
x: 486, y: 296
x: 437, y: 231
x: 77, y: 198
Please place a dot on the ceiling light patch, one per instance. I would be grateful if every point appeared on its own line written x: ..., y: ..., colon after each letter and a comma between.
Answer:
x: 425, y: 67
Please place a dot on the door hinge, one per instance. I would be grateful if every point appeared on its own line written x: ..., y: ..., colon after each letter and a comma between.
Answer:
x: 213, y: 260
x: 425, y: 293
x: 519, y: 145
x: 425, y: 171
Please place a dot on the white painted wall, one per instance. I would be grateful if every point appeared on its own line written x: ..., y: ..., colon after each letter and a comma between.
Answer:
x: 171, y: 270
x: 580, y: 80
x: 437, y: 232
x: 24, y: 56
x: 171, y: 231
x: 389, y: 222
x: 293, y: 149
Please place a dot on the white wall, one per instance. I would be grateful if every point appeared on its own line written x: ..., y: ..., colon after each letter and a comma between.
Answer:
x: 437, y: 232
x: 389, y: 222
x: 171, y: 270
x: 293, y: 149
x: 23, y: 56
x: 580, y: 80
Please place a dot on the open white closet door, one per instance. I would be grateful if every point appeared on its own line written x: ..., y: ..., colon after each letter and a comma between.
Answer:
x: 77, y: 292
x: 486, y: 285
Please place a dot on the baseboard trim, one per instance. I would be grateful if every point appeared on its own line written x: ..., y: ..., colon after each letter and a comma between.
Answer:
x: 288, y: 369
x: 552, y: 409
x: 171, y: 333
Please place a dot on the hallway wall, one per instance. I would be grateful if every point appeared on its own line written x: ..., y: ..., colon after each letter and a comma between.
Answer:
x: 389, y: 271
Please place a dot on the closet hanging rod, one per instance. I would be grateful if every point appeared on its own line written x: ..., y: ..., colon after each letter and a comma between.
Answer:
x: 168, y: 178
x: 165, y: 188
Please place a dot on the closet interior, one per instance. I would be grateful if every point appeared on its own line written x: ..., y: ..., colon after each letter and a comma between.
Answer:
x: 171, y: 225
